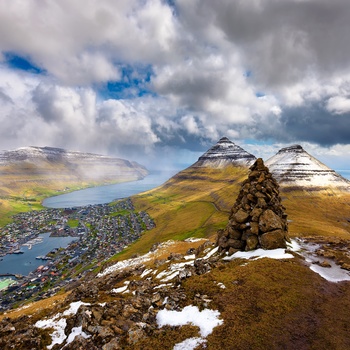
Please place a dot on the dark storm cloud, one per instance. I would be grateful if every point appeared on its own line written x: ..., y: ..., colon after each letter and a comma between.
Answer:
x: 314, y: 124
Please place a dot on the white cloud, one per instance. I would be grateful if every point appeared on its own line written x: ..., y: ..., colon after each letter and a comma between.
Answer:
x: 79, y: 42
x: 209, y: 62
x: 338, y: 105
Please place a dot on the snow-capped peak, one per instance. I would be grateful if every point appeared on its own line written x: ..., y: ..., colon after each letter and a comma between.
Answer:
x: 223, y: 153
x: 293, y: 166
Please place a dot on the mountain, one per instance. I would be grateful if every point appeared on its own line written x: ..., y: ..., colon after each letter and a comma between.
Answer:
x: 50, y: 165
x: 223, y: 153
x: 293, y: 167
x: 171, y: 289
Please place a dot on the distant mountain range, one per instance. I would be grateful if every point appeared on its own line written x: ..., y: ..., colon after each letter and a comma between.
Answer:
x: 292, y: 166
x: 48, y: 165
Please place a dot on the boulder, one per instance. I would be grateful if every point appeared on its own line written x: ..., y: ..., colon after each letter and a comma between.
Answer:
x: 273, y: 240
x: 269, y: 221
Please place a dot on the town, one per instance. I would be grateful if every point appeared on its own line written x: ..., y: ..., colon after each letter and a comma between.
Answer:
x: 100, y: 231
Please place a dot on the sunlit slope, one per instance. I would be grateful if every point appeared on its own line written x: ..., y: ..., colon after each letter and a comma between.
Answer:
x: 197, y: 201
x: 320, y: 213
x: 194, y: 203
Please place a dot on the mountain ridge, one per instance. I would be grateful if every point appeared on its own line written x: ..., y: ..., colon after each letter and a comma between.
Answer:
x: 223, y: 153
x: 51, y: 162
x: 292, y: 166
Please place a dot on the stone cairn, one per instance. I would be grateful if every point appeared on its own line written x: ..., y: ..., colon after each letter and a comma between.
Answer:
x: 257, y: 218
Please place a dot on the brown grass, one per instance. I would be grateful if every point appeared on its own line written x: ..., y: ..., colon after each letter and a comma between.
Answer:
x: 36, y: 308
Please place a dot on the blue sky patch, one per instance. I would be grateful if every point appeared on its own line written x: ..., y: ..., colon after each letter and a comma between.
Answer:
x: 21, y: 63
x: 133, y: 83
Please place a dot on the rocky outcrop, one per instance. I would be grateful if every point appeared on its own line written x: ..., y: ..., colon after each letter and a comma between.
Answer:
x: 257, y: 218
x: 223, y: 153
x: 293, y: 167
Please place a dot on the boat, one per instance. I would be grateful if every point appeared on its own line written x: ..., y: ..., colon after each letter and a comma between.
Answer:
x: 43, y: 257
x: 17, y: 252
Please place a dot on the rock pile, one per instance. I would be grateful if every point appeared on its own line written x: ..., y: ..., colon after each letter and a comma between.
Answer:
x: 257, y: 218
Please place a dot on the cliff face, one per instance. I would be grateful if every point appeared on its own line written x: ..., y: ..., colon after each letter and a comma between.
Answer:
x: 294, y: 167
x: 47, y: 163
x: 223, y: 153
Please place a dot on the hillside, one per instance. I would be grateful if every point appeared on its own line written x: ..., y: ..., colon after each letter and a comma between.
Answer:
x: 29, y: 174
x: 294, y: 168
x: 269, y: 303
x: 172, y: 290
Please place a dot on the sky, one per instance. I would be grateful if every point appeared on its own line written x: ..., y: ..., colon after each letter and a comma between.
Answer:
x: 161, y: 81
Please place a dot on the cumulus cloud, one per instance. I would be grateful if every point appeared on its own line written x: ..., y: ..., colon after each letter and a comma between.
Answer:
x: 250, y: 70
x: 79, y: 42
x: 338, y: 105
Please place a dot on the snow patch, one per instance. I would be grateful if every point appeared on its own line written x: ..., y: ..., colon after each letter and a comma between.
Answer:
x: 146, y: 272
x: 189, y: 344
x: 120, y: 265
x: 58, y: 323
x: 122, y: 289
x: 206, y: 319
x: 221, y: 285
x: 170, y: 277
x: 211, y: 253
x: 77, y: 331
x: 57, y: 336
x: 190, y: 257
x: 279, y: 253
x: 334, y: 273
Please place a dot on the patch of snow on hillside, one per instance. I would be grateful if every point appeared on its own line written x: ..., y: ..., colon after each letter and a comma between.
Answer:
x: 57, y: 336
x: 206, y: 319
x: 170, y: 277
x: 190, y: 257
x: 211, y: 253
x: 189, y: 344
x: 193, y: 240
x: 333, y: 273
x: 73, y: 308
x: 146, y: 272
x: 279, y: 253
x: 59, y: 323
x: 75, y: 332
x: 120, y: 265
x: 122, y: 289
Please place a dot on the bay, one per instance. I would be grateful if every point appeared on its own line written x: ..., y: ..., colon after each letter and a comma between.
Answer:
x: 108, y: 193
x: 24, y: 263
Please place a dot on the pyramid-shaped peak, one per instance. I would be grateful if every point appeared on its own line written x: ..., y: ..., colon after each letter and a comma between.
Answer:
x: 293, y: 148
x: 293, y: 167
x: 223, y: 153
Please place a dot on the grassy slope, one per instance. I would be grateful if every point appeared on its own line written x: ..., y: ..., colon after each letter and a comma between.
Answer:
x: 197, y: 202
x: 318, y: 213
x: 267, y: 304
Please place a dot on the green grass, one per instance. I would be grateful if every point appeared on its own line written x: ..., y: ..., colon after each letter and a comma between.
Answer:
x: 73, y: 223
x: 122, y: 212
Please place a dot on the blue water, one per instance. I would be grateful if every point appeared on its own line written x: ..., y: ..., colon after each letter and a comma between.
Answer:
x: 24, y: 263
x: 108, y: 193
